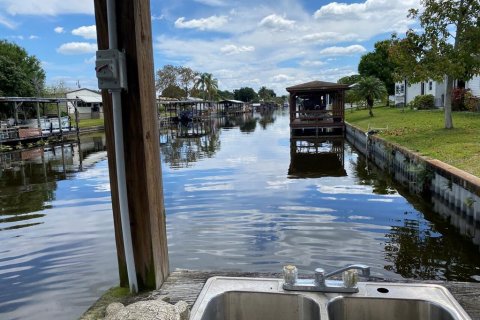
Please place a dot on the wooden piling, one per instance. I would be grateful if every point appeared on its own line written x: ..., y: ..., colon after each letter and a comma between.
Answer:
x: 38, y: 116
x: 59, y: 119
x: 142, y: 149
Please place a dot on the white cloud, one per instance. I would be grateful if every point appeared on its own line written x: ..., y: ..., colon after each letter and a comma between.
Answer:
x: 369, y: 8
x: 87, y: 32
x: 311, y: 63
x: 7, y: 22
x: 343, y: 51
x: 33, y: 37
x: 90, y: 60
x: 324, y: 37
x: 158, y: 18
x: 277, y: 22
x: 233, y: 49
x: 46, y: 7
x: 281, y: 78
x: 371, y: 16
x: 77, y: 48
x: 59, y: 30
x: 213, y: 3
x: 210, y: 23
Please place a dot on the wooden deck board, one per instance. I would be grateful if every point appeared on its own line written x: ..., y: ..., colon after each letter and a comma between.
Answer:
x: 186, y: 285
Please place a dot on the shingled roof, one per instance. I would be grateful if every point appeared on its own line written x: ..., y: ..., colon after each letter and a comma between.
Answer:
x: 318, y: 85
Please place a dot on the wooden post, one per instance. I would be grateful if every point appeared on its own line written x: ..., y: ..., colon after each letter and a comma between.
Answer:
x: 16, y: 113
x: 142, y: 147
x: 59, y: 120
x: 76, y: 120
x: 38, y: 117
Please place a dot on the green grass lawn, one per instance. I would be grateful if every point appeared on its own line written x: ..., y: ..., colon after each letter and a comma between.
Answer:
x: 85, y: 123
x: 423, y: 132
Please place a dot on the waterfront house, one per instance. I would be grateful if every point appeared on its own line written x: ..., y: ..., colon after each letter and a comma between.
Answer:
x: 406, y: 92
x: 89, y: 104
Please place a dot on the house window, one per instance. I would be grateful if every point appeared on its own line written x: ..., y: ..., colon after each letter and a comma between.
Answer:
x: 422, y: 89
x: 430, y: 85
x: 399, y: 89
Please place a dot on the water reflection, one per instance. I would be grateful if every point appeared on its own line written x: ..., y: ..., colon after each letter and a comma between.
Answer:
x: 315, y: 158
x: 422, y: 245
x: 58, y: 252
x: 184, y: 144
x: 28, y: 179
x: 267, y: 117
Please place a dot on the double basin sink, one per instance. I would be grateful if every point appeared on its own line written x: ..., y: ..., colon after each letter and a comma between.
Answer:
x: 231, y: 298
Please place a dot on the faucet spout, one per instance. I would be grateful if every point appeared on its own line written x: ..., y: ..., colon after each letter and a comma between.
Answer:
x: 365, y: 270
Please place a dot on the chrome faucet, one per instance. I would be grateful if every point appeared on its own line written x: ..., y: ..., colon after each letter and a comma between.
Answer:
x: 321, y: 283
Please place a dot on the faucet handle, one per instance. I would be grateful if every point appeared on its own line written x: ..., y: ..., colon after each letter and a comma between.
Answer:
x: 320, y: 276
x: 290, y: 274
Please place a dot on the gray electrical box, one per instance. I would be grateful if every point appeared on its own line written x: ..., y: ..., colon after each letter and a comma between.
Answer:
x: 111, y: 69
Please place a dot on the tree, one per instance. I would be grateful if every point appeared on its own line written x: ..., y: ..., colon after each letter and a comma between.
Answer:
x: 179, y: 76
x: 350, y: 79
x: 173, y: 91
x: 226, y: 95
x: 57, y: 90
x: 206, y: 84
x: 20, y: 74
x: 351, y: 96
x: 266, y: 94
x: 165, y: 77
x: 186, y: 78
x: 447, y: 48
x: 370, y: 89
x: 379, y: 64
x: 245, y: 94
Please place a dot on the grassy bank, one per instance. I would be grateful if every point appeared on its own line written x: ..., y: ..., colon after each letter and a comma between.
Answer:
x: 86, y: 123
x: 423, y: 132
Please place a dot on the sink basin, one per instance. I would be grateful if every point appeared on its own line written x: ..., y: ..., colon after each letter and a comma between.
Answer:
x: 238, y: 305
x: 378, y: 308
x: 234, y: 298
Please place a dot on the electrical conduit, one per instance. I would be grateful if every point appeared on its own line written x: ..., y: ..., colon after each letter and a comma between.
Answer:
x: 120, y: 156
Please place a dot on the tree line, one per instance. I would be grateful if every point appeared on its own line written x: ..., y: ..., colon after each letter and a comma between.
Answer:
x: 180, y: 82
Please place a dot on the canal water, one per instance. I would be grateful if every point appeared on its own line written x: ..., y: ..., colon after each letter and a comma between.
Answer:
x: 239, y: 195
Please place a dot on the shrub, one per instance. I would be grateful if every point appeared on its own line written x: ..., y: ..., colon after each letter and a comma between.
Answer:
x: 424, y: 102
x: 471, y: 102
x: 458, y: 99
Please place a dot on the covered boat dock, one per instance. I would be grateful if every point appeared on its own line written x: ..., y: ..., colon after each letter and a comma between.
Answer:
x: 34, y: 126
x: 317, y: 108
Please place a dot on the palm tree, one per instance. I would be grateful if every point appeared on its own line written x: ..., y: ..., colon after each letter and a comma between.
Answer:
x: 206, y: 84
x: 370, y: 89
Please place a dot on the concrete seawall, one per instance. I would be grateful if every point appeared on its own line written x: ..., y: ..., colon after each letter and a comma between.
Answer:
x: 455, y: 194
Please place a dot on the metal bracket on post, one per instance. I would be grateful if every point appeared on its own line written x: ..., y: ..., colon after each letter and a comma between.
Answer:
x: 111, y: 69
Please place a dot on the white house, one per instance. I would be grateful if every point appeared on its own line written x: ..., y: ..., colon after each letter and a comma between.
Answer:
x: 405, y: 92
x: 90, y: 105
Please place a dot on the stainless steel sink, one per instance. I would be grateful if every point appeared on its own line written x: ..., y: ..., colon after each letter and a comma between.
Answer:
x: 379, y: 309
x: 238, y: 305
x: 232, y: 298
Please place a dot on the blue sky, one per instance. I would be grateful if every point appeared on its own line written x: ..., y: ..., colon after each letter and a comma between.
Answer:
x: 276, y: 43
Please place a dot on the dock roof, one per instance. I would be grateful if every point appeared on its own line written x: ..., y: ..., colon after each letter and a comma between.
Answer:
x: 318, y: 86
